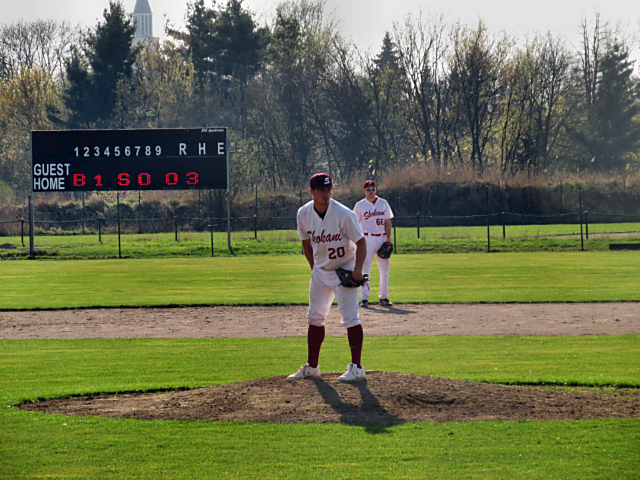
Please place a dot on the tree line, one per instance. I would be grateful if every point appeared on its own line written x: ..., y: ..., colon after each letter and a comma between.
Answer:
x: 299, y: 98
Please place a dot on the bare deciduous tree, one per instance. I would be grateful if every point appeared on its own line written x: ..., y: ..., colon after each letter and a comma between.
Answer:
x: 42, y: 43
x: 478, y: 82
x: 423, y: 52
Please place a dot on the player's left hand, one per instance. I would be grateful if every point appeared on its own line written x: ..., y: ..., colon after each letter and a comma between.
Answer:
x: 347, y: 278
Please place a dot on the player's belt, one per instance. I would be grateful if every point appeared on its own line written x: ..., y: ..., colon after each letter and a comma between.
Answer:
x: 374, y: 234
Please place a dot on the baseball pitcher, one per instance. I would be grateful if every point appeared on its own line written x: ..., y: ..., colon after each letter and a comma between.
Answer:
x: 331, y: 240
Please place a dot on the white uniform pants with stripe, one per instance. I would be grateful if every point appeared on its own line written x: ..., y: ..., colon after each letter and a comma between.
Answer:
x: 373, y: 244
x: 323, y: 288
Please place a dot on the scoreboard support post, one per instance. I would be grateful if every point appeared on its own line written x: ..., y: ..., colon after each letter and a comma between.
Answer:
x: 211, y: 219
x: 31, y: 212
x: 228, y: 199
x: 118, y: 209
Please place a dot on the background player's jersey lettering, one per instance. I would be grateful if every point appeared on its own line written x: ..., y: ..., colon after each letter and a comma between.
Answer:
x: 375, y: 213
x: 372, y: 215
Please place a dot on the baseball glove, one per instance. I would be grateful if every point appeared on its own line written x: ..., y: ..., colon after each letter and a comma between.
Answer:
x: 347, y: 280
x: 385, y: 250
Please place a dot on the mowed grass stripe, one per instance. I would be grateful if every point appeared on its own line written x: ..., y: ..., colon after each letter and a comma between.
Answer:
x: 53, y: 368
x: 459, y: 278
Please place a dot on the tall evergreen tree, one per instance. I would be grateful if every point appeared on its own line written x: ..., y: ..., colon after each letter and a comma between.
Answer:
x: 225, y: 42
x: 611, y: 132
x: 388, y: 56
x: 93, y: 73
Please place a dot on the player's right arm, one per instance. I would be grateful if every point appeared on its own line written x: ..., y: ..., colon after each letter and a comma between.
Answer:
x: 308, y: 251
x: 358, y: 211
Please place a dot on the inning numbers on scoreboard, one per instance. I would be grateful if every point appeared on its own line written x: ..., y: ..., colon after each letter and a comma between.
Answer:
x: 136, y: 151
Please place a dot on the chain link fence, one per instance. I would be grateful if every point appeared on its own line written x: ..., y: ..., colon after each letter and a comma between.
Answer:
x: 130, y: 230
x: 144, y: 237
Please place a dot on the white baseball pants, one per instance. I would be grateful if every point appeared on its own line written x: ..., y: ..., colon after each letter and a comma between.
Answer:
x: 373, y: 244
x: 323, y: 288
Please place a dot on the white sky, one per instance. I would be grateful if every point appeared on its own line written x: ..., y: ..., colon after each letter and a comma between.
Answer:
x: 365, y: 21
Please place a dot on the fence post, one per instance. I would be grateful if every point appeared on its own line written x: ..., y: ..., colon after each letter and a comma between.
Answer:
x: 561, y: 212
x: 586, y: 223
x: 139, y: 214
x: 488, y: 223
x: 100, y: 229
x: 395, y: 243
x: 175, y: 224
x: 623, y: 192
x: 22, y: 230
x: 504, y: 229
x: 255, y: 216
x: 418, y: 223
x: 83, y: 212
x: 580, y: 204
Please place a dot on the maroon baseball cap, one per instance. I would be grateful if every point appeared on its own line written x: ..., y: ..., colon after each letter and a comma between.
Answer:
x: 369, y: 183
x: 320, y: 181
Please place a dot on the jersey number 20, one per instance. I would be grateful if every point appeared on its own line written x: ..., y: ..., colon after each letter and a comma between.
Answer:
x: 333, y: 253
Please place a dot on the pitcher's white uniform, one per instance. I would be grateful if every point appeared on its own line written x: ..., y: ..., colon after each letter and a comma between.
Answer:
x: 333, y: 240
x: 371, y: 216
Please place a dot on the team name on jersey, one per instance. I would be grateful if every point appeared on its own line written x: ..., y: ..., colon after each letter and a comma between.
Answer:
x: 325, y: 238
x: 375, y: 213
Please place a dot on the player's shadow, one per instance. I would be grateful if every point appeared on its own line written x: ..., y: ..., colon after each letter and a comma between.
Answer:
x: 393, y: 310
x: 371, y: 415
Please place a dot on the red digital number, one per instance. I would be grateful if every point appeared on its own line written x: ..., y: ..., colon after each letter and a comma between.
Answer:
x: 79, y: 180
x: 144, y: 179
x: 123, y: 179
x: 98, y: 179
x: 171, y: 178
x: 192, y: 178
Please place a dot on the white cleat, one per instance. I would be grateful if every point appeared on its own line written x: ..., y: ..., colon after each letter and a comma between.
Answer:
x: 353, y: 374
x: 305, y: 371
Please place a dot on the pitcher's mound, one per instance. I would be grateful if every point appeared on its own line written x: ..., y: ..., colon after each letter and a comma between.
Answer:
x: 383, y: 398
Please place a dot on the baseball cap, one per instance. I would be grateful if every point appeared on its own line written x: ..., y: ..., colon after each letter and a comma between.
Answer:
x: 320, y: 180
x: 369, y: 183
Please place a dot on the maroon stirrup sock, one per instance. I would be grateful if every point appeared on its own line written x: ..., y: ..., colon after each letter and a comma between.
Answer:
x: 315, y: 336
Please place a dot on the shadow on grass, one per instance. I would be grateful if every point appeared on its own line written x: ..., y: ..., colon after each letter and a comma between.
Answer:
x: 371, y: 415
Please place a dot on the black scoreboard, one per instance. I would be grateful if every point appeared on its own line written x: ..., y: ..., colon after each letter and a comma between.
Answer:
x: 163, y: 159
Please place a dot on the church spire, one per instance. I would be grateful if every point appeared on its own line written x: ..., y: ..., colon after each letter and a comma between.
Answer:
x: 143, y: 17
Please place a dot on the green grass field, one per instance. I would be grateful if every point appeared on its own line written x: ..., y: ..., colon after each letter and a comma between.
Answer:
x: 461, y: 278
x: 34, y: 445
x: 518, y: 238
x: 37, y: 445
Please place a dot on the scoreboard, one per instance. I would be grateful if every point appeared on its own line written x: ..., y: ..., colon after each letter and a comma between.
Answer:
x: 161, y: 159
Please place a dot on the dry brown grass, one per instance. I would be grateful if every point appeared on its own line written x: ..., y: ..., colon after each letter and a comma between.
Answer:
x: 416, y: 175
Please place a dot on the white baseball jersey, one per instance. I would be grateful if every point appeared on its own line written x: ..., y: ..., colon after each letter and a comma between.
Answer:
x: 332, y: 238
x: 372, y: 215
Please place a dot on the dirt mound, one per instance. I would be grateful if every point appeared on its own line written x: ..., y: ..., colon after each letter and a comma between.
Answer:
x: 383, y: 398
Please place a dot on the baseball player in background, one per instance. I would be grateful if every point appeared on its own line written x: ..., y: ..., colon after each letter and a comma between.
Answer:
x: 374, y: 215
x: 331, y: 238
